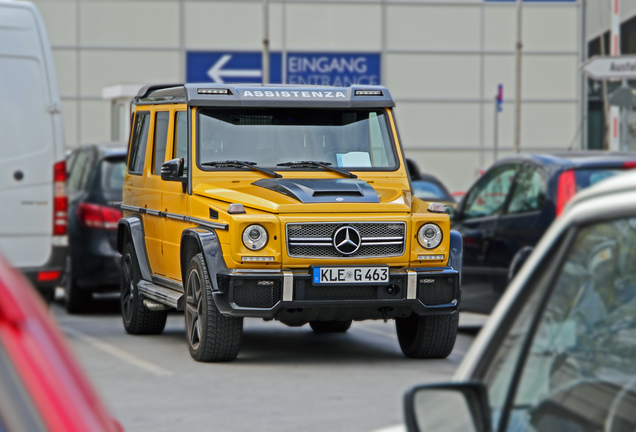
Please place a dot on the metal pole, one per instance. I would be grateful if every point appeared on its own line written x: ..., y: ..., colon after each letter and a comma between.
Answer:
x: 265, y: 41
x: 496, y: 132
x: 517, y: 142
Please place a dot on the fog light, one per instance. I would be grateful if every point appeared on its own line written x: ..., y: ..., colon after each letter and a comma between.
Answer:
x: 430, y: 257
x: 257, y: 258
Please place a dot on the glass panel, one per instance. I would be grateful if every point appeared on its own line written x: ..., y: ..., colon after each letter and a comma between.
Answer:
x: 75, y: 176
x: 529, y: 191
x: 490, y: 192
x: 113, y: 173
x: 138, y: 147
x: 580, y: 373
x: 181, y: 139
x: 442, y: 410
x: 588, y: 177
x: 162, y: 119
x: 343, y: 138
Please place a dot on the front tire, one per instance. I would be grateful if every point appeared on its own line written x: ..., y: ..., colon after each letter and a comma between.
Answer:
x: 330, y: 326
x: 212, y: 337
x: 427, y: 337
x: 137, y: 318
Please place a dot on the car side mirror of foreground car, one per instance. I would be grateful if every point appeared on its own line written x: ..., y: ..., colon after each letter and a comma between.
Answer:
x: 448, y: 407
x: 172, y: 170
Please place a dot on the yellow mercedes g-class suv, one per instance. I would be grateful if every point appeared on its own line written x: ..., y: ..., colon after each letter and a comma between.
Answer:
x: 290, y: 203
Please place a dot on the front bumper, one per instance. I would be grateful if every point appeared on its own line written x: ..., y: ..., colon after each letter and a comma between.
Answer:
x: 291, y: 296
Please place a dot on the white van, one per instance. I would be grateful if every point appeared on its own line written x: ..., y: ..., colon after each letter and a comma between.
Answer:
x: 33, y: 202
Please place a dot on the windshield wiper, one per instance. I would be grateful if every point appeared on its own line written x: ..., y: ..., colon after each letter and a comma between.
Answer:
x: 314, y: 164
x: 240, y: 164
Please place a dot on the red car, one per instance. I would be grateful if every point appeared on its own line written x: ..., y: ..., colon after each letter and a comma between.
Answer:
x: 42, y: 387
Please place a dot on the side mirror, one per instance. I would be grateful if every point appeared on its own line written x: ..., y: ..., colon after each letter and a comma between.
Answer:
x: 172, y: 170
x: 448, y: 407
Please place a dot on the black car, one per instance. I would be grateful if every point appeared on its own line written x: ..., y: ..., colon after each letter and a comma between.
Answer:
x: 505, y: 213
x: 95, y: 181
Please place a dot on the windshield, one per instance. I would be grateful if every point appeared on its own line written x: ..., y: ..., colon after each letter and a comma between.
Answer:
x: 357, y: 139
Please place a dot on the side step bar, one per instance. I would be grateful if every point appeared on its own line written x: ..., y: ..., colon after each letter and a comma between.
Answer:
x: 164, y: 295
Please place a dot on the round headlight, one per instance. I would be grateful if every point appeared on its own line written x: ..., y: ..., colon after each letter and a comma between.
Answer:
x: 255, y: 237
x: 429, y: 236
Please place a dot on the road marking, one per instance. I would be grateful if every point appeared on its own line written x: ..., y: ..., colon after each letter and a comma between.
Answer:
x: 117, y: 352
x: 396, y: 428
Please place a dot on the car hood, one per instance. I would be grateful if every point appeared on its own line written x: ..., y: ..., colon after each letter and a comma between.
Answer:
x: 301, y: 195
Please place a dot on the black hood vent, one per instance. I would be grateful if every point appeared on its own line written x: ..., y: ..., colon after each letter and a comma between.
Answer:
x: 322, y: 190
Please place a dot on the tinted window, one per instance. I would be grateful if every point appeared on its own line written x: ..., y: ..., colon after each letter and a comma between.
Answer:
x: 113, y: 173
x: 75, y: 175
x: 181, y: 138
x: 579, y: 371
x: 139, y: 142
x: 588, y: 177
x: 162, y: 119
x: 427, y: 190
x: 489, y: 194
x: 529, y: 191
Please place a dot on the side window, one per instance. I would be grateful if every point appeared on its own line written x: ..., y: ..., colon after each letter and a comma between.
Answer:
x: 578, y: 373
x: 162, y: 119
x: 181, y: 138
x: 529, y: 192
x: 139, y: 142
x: 75, y: 175
x: 489, y: 194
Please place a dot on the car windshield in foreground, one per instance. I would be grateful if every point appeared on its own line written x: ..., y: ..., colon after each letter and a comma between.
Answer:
x: 351, y: 139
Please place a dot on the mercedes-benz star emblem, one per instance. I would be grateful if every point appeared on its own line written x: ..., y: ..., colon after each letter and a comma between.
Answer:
x: 346, y: 240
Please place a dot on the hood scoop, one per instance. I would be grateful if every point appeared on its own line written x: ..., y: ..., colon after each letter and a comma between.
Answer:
x: 322, y: 190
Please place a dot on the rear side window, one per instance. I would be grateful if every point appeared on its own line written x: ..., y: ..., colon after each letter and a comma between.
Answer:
x: 139, y: 142
x: 162, y: 119
x: 113, y: 173
x: 75, y: 175
x: 589, y: 177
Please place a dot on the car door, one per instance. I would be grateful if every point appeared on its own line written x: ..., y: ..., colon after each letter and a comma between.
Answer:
x: 153, y: 192
x: 565, y: 360
x: 522, y: 222
x: 477, y: 221
x: 175, y: 199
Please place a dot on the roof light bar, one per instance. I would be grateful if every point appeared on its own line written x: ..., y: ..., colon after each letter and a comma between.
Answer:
x: 368, y: 93
x: 214, y: 91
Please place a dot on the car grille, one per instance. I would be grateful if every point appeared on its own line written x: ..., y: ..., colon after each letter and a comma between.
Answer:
x: 315, y: 239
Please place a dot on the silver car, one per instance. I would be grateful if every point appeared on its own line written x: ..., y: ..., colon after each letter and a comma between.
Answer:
x: 559, y: 351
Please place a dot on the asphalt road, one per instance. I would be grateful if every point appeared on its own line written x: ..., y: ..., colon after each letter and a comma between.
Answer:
x: 285, y: 379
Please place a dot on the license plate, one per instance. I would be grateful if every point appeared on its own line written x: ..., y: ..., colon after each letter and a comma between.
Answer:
x: 351, y: 275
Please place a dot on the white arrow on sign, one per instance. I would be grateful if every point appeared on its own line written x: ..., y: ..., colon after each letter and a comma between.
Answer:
x: 216, y: 71
x: 606, y: 67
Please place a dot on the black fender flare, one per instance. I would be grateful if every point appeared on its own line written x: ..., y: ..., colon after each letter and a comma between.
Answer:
x: 456, y: 255
x: 206, y: 241
x: 134, y: 227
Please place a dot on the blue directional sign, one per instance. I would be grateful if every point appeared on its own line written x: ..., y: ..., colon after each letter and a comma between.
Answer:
x: 230, y: 67
x: 336, y: 69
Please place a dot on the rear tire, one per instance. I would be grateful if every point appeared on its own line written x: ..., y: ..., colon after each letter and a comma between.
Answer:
x: 137, y: 318
x: 427, y: 337
x: 77, y: 299
x: 212, y: 337
x: 330, y: 326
